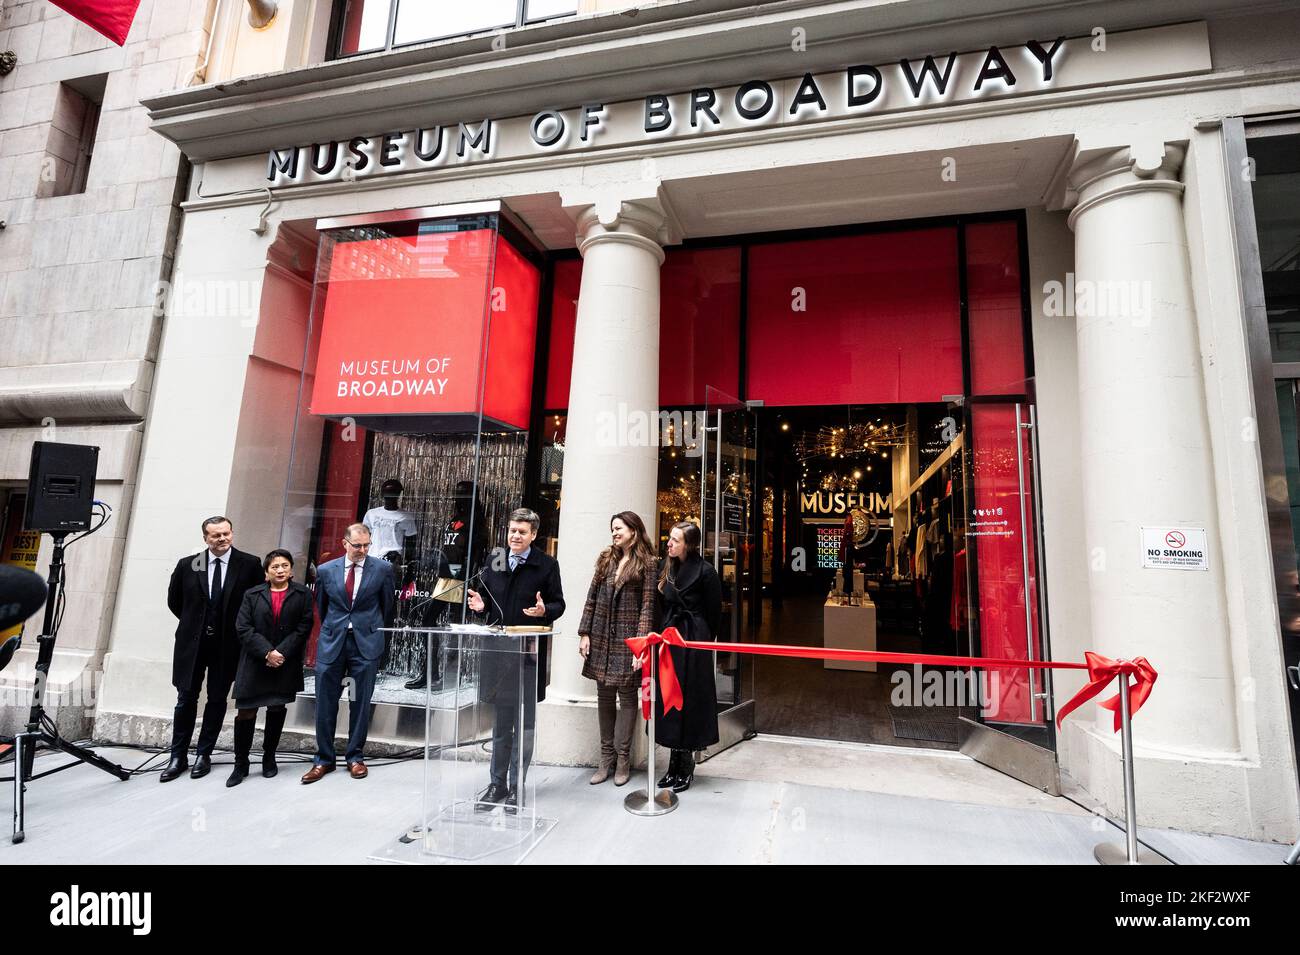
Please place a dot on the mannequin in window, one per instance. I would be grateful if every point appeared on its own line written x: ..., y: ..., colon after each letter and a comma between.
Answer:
x: 455, y: 555
x: 394, y: 533
x: 394, y: 529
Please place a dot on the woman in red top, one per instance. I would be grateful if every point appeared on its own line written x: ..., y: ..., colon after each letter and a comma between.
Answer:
x: 274, y: 622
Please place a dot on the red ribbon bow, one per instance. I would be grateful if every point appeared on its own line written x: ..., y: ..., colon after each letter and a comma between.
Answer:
x: 1101, y: 670
x: 670, y: 690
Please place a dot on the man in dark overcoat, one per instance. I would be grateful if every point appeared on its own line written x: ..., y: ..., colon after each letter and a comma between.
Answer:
x: 523, y: 589
x: 205, y: 594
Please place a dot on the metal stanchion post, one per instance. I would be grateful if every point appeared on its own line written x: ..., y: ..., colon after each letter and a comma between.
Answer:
x: 1112, y: 853
x: 19, y: 835
x: 640, y: 803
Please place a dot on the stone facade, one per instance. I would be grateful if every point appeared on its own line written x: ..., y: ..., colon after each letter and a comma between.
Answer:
x: 79, y: 285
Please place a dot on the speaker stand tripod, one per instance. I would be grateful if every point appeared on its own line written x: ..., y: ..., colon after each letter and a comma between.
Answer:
x: 39, y: 728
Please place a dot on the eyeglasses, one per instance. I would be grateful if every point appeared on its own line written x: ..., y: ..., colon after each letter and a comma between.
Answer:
x: 365, y: 546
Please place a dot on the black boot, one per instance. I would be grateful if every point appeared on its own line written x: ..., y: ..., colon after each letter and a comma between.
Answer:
x: 176, y: 767
x: 244, y: 730
x: 669, y: 779
x: 685, y: 772
x: 271, y: 739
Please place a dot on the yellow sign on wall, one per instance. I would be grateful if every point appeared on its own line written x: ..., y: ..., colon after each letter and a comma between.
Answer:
x: 19, y: 547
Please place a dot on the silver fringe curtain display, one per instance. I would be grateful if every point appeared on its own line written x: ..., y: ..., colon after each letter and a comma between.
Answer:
x: 429, y: 467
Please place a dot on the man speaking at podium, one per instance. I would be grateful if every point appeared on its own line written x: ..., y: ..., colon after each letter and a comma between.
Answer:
x: 522, y: 590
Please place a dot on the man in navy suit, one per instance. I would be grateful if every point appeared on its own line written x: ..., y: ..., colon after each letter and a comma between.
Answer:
x: 355, y: 597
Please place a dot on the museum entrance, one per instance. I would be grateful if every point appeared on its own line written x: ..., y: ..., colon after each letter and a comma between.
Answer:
x: 908, y: 528
x: 859, y: 551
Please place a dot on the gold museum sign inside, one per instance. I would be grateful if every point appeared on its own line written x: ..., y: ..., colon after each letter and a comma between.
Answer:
x: 934, y: 80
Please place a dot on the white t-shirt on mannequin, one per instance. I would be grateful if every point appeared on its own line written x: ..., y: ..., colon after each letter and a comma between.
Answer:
x: 390, y: 529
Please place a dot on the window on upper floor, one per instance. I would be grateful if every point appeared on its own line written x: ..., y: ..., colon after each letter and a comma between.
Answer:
x: 71, y: 141
x: 367, y: 26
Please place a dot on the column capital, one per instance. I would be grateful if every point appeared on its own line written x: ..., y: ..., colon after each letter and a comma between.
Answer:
x: 1095, y: 175
x: 635, y: 213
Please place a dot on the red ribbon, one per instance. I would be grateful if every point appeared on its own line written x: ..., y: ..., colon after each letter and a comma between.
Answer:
x: 670, y: 689
x: 1101, y: 670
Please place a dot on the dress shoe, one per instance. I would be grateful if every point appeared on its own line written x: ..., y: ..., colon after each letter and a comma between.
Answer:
x: 419, y: 683
x: 317, y: 771
x: 202, y: 766
x: 358, y: 770
x: 237, y: 775
x: 493, y: 794
x: 512, y: 802
x: 176, y: 766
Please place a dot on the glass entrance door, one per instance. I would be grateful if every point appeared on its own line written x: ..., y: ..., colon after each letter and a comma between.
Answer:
x: 999, y: 601
x: 729, y: 541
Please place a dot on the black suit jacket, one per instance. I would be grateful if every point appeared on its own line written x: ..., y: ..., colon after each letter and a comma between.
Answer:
x: 187, y: 598
x: 506, y: 595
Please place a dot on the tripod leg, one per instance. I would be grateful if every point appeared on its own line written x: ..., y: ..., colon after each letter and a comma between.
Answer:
x: 18, y: 835
x: 86, y: 756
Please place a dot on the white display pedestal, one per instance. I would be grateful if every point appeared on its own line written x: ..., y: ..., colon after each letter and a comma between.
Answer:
x: 849, y: 628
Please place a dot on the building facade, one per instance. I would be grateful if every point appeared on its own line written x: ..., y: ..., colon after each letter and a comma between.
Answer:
x: 1041, y: 250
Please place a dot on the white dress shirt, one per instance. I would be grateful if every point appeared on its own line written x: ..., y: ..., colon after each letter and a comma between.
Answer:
x: 224, y: 561
x: 356, y: 578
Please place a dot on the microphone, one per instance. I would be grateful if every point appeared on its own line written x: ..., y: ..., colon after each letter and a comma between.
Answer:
x: 22, y: 593
x: 488, y: 591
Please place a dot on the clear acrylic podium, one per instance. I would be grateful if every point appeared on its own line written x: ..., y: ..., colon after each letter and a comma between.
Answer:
x: 480, y: 716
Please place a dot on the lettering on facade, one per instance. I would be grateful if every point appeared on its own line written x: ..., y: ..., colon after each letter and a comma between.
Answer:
x: 932, y: 80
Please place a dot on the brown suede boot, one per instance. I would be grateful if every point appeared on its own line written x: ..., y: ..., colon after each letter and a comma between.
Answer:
x: 623, y: 727
x: 605, y: 714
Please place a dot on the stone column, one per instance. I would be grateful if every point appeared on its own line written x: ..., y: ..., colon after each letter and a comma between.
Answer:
x: 611, y: 461
x: 1145, y: 445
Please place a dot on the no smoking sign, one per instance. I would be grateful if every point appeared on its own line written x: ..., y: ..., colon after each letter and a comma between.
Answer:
x: 1175, y: 548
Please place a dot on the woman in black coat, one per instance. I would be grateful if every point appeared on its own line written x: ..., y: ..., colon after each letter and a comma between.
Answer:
x: 692, y: 602
x: 274, y: 622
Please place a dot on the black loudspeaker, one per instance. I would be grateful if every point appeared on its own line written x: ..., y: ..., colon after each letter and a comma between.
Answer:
x: 61, y: 487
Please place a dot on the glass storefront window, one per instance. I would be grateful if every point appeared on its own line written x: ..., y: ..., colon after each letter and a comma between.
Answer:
x: 995, y: 319
x: 859, y: 319
x: 414, y: 410
x: 366, y: 26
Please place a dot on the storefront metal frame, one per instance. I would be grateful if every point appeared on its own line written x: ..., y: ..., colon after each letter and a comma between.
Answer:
x: 1268, y: 429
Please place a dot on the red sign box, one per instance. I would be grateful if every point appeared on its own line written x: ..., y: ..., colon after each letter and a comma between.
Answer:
x: 405, y: 323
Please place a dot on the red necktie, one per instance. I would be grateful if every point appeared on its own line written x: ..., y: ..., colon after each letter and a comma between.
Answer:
x: 351, y: 580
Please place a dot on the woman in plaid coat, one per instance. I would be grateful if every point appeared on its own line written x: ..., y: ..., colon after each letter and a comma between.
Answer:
x: 620, y: 604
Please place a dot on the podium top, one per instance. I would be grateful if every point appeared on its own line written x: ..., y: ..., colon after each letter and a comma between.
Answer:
x: 475, y: 629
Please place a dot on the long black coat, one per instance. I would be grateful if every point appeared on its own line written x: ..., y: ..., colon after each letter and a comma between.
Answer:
x: 187, y: 598
x: 505, y: 596
x: 256, y: 682
x: 692, y: 603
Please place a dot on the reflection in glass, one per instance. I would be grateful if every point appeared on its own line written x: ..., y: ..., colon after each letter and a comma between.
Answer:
x: 419, y: 20
x: 545, y: 9
x: 365, y: 26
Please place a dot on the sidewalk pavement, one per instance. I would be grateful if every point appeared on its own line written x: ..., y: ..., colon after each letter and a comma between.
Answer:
x: 768, y: 800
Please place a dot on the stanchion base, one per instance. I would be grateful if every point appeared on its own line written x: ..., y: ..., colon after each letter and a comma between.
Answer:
x: 1116, y: 853
x: 639, y: 804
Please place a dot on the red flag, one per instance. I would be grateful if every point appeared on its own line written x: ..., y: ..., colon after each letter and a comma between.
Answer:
x: 110, y: 17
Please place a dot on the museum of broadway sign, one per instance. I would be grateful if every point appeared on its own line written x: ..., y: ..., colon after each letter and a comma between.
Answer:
x: 933, y: 80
